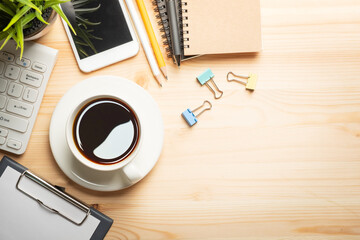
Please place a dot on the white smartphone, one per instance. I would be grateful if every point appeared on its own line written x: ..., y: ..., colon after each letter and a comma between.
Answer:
x: 105, y: 34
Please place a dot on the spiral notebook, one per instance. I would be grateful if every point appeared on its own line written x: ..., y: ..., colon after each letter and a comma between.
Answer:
x: 162, y: 14
x: 226, y: 26
x: 213, y: 26
x: 163, y: 22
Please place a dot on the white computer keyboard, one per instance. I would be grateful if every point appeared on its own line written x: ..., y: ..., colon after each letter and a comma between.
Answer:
x: 22, y: 86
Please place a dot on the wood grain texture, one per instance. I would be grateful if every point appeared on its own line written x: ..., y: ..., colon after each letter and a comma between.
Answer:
x: 280, y: 163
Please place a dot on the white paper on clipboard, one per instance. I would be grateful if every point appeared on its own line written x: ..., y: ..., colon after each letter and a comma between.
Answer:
x: 23, y: 218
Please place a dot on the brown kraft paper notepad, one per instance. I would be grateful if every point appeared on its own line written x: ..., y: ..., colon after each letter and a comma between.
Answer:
x: 221, y: 26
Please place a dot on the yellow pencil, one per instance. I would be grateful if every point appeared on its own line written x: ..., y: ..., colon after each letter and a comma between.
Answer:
x: 151, y: 34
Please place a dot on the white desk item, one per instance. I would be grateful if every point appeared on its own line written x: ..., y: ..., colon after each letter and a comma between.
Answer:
x: 152, y: 132
x: 31, y: 208
x: 22, y: 86
x: 97, y: 46
x: 145, y: 42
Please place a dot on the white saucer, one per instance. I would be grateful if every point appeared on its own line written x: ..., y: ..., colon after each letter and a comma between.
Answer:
x: 152, y: 131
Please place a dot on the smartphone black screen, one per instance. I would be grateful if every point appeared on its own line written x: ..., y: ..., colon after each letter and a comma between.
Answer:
x: 99, y: 24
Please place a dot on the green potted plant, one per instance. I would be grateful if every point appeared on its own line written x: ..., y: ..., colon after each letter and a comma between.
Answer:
x: 28, y: 19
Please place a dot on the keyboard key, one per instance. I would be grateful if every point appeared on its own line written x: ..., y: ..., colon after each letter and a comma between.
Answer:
x: 30, y: 94
x: 14, y: 144
x: 15, y: 89
x: 3, y: 132
x: 23, y: 62
x: 2, y: 101
x: 22, y: 85
x: 13, y: 122
x: 12, y: 72
x: 7, y: 56
x: 19, y: 108
x: 31, y: 78
x: 39, y: 67
x: 2, y: 66
x: 3, y: 84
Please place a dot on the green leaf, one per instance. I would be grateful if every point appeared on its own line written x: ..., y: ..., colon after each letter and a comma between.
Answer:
x: 91, y: 36
x: 87, y: 22
x: 82, y: 51
x: 87, y: 10
x: 50, y: 3
x: 10, y: 4
x: 28, y: 18
x: 30, y: 4
x: 80, y: 43
x: 11, y: 34
x: 39, y: 16
x: 6, y: 9
x: 17, y: 16
x: 20, y: 36
x: 80, y: 3
x: 63, y: 16
x: 3, y: 35
x: 16, y: 39
x: 82, y: 34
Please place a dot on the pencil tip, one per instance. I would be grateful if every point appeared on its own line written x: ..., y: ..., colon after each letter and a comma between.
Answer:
x: 163, y: 70
x: 178, y: 60
x: 158, y: 80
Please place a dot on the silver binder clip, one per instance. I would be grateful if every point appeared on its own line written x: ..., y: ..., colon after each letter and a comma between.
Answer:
x: 207, y: 77
x: 41, y: 184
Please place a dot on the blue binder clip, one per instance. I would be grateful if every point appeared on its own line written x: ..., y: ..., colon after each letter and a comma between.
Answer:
x: 207, y: 77
x: 189, y: 115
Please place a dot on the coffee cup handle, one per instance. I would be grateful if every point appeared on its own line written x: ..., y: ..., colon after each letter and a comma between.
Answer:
x: 132, y: 173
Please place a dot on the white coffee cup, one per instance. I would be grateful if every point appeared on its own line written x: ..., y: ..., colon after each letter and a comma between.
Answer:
x: 126, y: 164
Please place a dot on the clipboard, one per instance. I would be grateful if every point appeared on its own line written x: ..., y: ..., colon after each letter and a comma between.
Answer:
x: 31, y: 208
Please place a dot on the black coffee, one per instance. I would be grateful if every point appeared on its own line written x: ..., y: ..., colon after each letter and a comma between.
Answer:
x: 106, y: 131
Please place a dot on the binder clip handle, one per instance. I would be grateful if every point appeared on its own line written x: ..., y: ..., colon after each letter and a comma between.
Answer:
x: 206, y: 102
x: 190, y: 116
x: 250, y: 82
x: 205, y: 78
x: 232, y: 77
x: 216, y: 96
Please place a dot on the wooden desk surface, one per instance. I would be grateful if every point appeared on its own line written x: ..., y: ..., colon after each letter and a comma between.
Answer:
x: 281, y: 163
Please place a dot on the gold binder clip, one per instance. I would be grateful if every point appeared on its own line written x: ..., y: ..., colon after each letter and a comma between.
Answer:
x: 250, y: 83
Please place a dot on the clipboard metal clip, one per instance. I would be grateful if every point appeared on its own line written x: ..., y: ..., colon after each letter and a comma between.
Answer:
x: 55, y: 191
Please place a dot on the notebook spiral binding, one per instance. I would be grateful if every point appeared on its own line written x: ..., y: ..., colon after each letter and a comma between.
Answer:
x: 160, y: 9
x: 184, y: 24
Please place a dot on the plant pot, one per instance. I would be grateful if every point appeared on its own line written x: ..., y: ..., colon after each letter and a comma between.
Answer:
x: 39, y: 29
